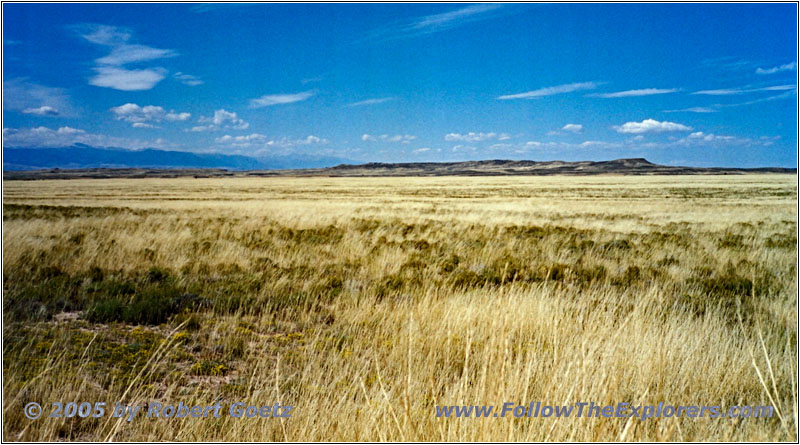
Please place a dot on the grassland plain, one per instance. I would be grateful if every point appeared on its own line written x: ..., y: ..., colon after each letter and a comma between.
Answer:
x: 366, y: 302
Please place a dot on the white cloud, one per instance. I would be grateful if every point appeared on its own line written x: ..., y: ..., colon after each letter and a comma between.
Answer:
x: 69, y: 130
x: 403, y: 138
x: 422, y: 150
x: 222, y: 119
x: 744, y: 90
x: 125, y: 79
x: 44, y: 110
x: 699, y: 138
x: 476, y: 137
x: 187, y: 79
x: 650, y: 126
x: 31, y: 98
x: 110, y: 70
x: 66, y: 136
x: 136, y: 114
x: 279, y: 99
x: 549, y: 91
x: 311, y: 139
x: 375, y: 101
x: 241, y: 140
x: 287, y: 142
x: 786, y: 67
x: 199, y: 128
x: 175, y: 117
x: 131, y: 112
x: 457, y: 148
x: 308, y: 140
x: 142, y: 125
x: 599, y: 144
x: 708, y: 137
x: 573, y: 128
x: 636, y: 93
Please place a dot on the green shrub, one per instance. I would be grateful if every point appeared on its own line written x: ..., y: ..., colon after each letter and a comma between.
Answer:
x: 209, y: 367
x: 106, y: 311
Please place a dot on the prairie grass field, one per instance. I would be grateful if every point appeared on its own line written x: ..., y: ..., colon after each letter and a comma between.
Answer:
x: 366, y: 302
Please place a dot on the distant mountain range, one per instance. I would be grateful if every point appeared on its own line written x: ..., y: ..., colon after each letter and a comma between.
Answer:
x: 239, y: 166
x: 81, y: 156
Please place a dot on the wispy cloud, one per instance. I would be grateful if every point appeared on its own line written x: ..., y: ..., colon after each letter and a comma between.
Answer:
x: 110, y: 70
x: 312, y: 79
x: 599, y: 144
x: 222, y: 120
x: 636, y: 93
x: 777, y: 69
x: 125, y: 54
x: 187, y: 79
x: 549, y: 91
x: 436, y: 22
x: 402, y: 138
x: 729, y: 63
x: 28, y: 97
x: 650, y: 126
x: 694, y: 110
x: 463, y: 148
x: 375, y: 101
x: 573, y: 128
x: 744, y: 90
x: 202, y: 8
x: 785, y: 95
x: 103, y: 34
x: 260, y: 141
x: 279, y: 99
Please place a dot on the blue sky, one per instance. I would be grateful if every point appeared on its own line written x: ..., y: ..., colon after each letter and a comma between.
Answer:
x: 689, y: 84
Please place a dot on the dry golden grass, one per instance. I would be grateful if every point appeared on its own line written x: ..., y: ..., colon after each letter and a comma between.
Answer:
x: 367, y: 302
